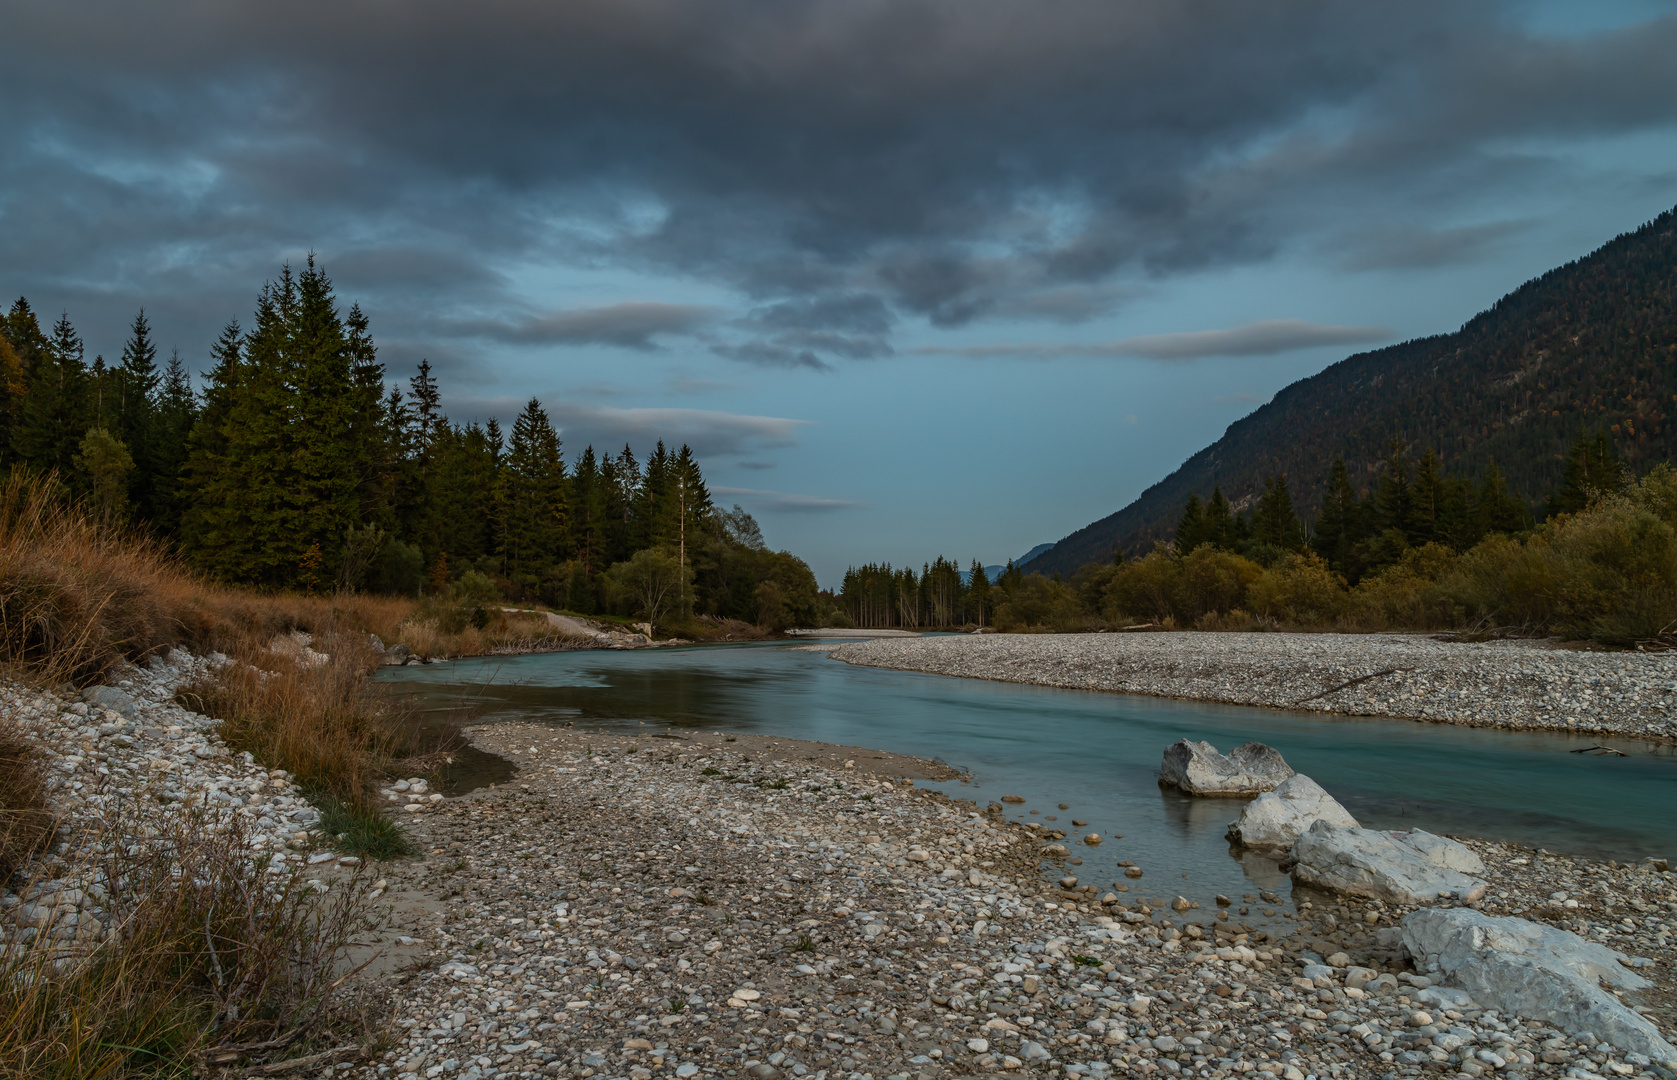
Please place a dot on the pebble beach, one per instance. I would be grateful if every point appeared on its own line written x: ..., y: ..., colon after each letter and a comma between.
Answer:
x: 1517, y: 684
x: 740, y: 907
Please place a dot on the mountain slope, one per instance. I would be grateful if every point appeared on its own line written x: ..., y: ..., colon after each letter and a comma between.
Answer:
x: 1592, y: 342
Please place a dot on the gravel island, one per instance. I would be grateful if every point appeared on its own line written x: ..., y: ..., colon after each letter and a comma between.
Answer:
x: 1506, y: 683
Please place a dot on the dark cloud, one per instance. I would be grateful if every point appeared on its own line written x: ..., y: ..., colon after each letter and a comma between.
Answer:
x: 1265, y: 338
x: 709, y: 432
x: 1420, y: 248
x: 629, y: 325
x: 784, y: 502
x: 948, y: 160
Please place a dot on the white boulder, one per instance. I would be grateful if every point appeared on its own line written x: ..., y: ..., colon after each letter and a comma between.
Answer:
x: 1404, y: 868
x: 1276, y: 819
x: 1536, y: 971
x: 1198, y: 769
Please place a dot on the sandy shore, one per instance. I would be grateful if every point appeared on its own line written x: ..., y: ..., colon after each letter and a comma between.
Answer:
x: 1507, y: 684
x: 705, y: 908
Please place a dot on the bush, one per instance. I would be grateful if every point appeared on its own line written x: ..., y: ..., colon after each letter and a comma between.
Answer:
x: 1300, y: 589
x: 1408, y: 593
x: 1040, y: 603
x: 1212, y: 580
x: 1146, y: 587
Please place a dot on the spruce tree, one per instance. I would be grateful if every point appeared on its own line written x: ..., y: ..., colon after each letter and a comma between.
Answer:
x: 28, y: 349
x: 1391, y: 497
x: 1336, y: 523
x: 175, y: 417
x: 1496, y: 509
x: 533, y: 480
x: 55, y: 413
x: 1219, y: 520
x: 1275, y: 521
x: 1424, y: 522
x: 978, y: 592
x: 136, y: 411
x: 326, y: 436
x: 1190, y: 527
x: 1592, y: 468
x: 203, y: 472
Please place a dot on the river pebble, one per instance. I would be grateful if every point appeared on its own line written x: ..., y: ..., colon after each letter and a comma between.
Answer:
x: 1511, y: 683
x: 636, y: 908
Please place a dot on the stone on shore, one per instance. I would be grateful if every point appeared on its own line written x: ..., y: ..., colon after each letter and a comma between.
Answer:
x: 1536, y: 971
x: 1404, y: 868
x: 1198, y: 769
x: 1276, y: 819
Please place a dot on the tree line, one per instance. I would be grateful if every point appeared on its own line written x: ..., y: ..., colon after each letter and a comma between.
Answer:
x: 298, y: 465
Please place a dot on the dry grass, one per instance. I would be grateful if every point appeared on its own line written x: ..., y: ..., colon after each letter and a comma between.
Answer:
x: 199, y: 946
x: 25, y: 822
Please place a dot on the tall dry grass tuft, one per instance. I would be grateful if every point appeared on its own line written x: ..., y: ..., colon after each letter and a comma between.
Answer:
x: 26, y: 825
x: 197, y: 945
x: 313, y: 713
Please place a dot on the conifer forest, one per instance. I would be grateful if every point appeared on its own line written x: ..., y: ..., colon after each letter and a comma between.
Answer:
x: 295, y: 462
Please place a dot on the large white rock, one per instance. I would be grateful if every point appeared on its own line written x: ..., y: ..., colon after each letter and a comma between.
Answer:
x: 1276, y: 819
x: 1404, y: 868
x: 1536, y: 971
x: 1198, y: 769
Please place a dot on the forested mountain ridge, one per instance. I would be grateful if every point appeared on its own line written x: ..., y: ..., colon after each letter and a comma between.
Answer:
x: 1591, y: 343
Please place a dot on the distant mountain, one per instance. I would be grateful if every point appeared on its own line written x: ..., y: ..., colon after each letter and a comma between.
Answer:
x: 994, y: 572
x: 1593, y: 342
x: 1034, y: 553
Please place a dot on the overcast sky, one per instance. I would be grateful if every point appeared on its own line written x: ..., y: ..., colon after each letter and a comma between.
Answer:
x: 912, y: 276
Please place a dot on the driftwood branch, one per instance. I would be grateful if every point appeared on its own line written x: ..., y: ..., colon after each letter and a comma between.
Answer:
x: 325, y: 1057
x: 1352, y: 682
x: 1603, y: 749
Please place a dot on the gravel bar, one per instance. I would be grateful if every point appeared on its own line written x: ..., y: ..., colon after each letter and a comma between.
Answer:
x: 700, y: 908
x: 1506, y: 684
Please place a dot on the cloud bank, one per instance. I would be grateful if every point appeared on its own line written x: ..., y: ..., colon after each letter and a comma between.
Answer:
x: 1265, y: 338
x: 842, y: 166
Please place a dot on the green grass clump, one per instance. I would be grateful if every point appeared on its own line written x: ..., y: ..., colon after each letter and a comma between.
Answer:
x: 366, y: 833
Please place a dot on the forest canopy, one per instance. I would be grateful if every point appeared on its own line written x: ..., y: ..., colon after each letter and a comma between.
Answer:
x: 300, y: 464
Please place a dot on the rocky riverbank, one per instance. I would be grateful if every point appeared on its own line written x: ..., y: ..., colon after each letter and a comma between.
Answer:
x: 1506, y: 684
x: 700, y: 907
x: 748, y: 908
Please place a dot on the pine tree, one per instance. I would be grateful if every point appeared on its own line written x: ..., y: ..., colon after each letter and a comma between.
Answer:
x: 533, y: 479
x: 1190, y: 528
x: 136, y: 411
x: 978, y: 592
x: 1336, y: 523
x: 27, y: 349
x: 376, y: 451
x: 1424, y: 522
x: 175, y: 417
x: 1219, y: 521
x: 326, y: 439
x: 1275, y: 521
x: 1391, y: 497
x: 588, y: 512
x: 204, y: 472
x: 1496, y: 509
x: 1592, y: 468
x: 55, y: 413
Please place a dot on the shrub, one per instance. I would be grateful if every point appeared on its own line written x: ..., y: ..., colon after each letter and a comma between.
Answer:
x: 1408, y: 593
x: 1300, y: 589
x: 1212, y: 580
x: 1146, y: 587
x: 1041, y: 603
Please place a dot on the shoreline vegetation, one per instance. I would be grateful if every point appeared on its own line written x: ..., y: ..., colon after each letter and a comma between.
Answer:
x: 1421, y: 552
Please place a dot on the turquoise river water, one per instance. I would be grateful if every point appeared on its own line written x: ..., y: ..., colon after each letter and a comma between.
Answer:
x: 1097, y: 753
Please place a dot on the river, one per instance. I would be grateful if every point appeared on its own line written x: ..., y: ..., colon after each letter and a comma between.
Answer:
x: 1096, y: 753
